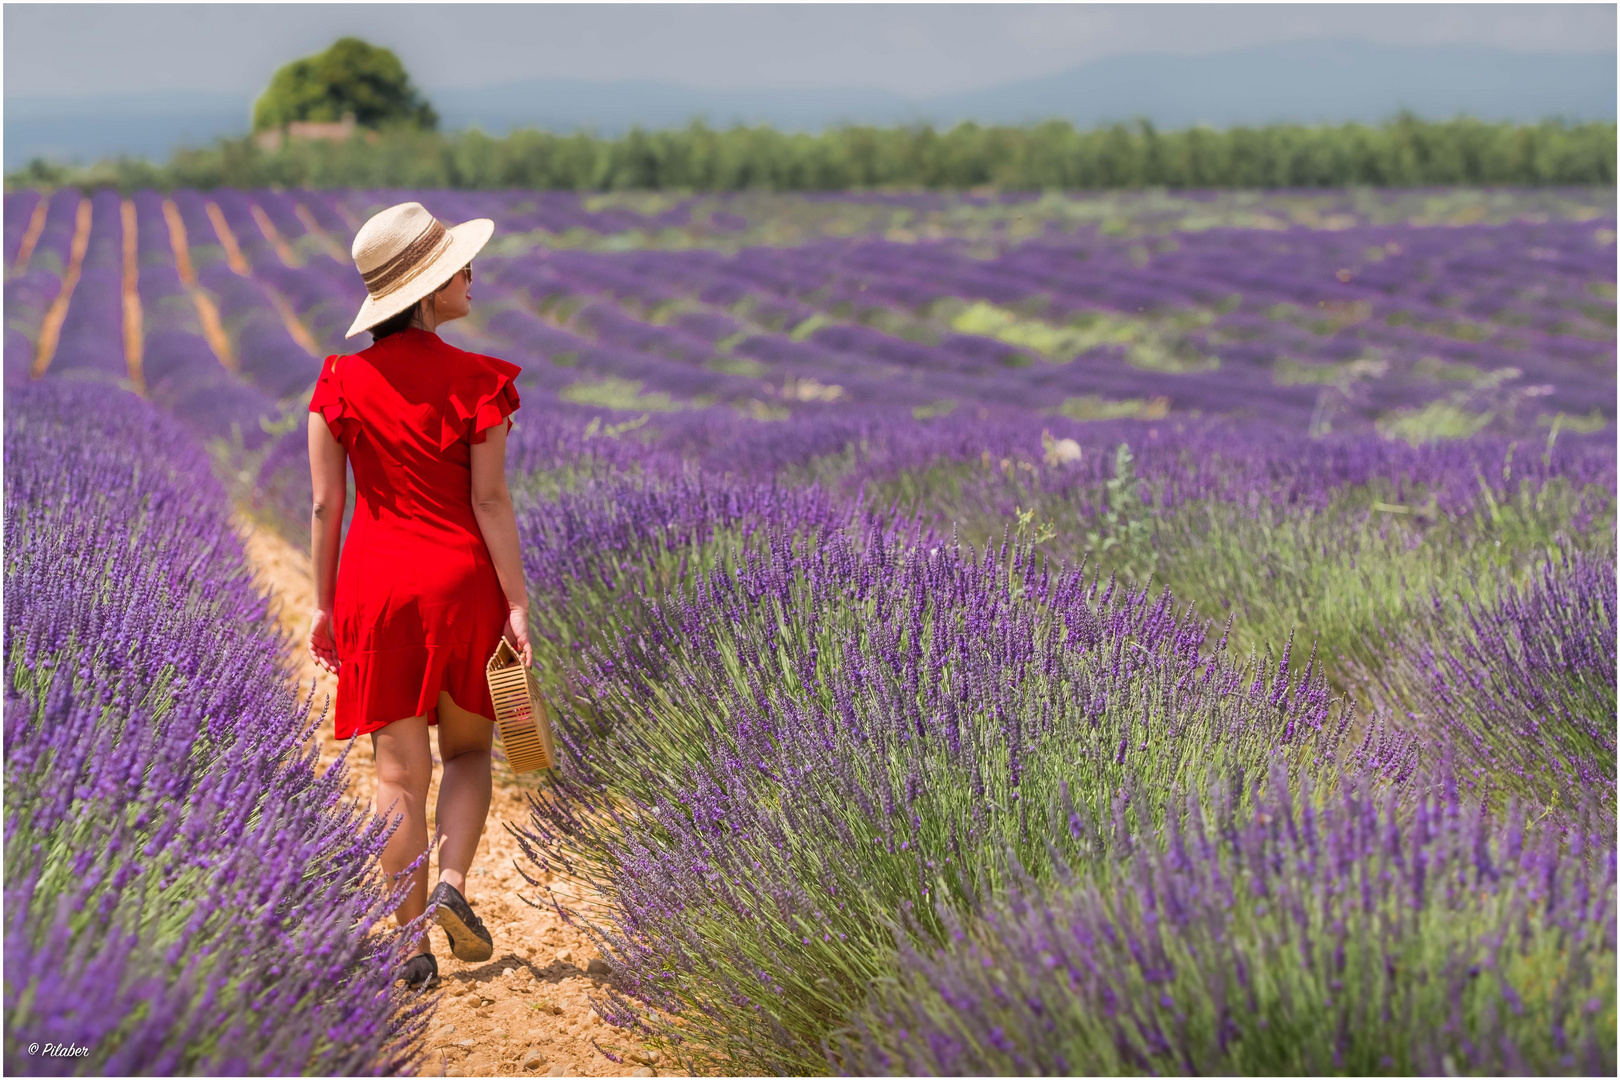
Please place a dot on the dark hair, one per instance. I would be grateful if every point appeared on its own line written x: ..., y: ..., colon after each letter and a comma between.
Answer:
x: 395, y: 323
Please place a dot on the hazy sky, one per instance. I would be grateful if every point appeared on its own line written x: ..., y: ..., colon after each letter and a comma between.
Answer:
x: 914, y: 49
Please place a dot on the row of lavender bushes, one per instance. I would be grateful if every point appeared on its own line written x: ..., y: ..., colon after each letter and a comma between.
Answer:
x: 1329, y: 535
x: 1337, y: 933
x: 790, y: 751
x: 835, y: 823
x: 184, y: 893
x: 1516, y: 681
x: 798, y: 721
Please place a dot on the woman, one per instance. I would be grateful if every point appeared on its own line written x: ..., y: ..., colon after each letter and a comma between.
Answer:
x: 430, y: 577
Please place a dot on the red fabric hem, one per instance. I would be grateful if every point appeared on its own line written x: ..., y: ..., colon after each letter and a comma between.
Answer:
x: 444, y: 668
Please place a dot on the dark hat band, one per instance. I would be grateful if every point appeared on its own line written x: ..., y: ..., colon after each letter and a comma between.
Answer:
x: 407, y: 264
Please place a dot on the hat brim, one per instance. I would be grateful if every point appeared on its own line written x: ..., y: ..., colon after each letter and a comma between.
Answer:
x: 466, y: 240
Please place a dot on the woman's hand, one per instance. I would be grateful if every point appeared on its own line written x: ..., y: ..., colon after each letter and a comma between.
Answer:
x: 516, y: 632
x: 322, y: 646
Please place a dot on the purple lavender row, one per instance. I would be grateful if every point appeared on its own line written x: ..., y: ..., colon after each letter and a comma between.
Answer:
x: 92, y: 341
x: 1177, y: 461
x: 55, y: 241
x: 184, y: 891
x: 28, y: 296
x: 1194, y: 269
x: 863, y: 445
x: 864, y: 363
x: 183, y: 374
x: 267, y: 356
x: 1518, y: 683
x: 610, y: 535
x: 322, y: 293
x: 831, y: 729
x: 19, y: 209
x: 1184, y: 462
x: 1226, y: 267
x: 1349, y: 936
x: 185, y: 378
x: 509, y: 329
x: 269, y: 360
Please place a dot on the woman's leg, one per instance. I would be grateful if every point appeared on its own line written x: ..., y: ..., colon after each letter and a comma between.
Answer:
x: 465, y: 740
x: 404, y: 770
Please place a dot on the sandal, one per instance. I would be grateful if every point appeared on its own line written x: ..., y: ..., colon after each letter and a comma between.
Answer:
x: 421, y: 972
x: 469, y: 940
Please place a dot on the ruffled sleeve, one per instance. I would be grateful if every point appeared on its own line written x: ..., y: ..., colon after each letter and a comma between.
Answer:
x: 328, y: 401
x: 485, y: 396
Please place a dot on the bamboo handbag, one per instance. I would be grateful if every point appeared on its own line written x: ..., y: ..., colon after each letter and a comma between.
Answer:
x: 520, y: 711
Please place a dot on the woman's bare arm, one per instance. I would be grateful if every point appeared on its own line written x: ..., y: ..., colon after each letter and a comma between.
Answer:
x: 492, y: 506
x: 329, y: 476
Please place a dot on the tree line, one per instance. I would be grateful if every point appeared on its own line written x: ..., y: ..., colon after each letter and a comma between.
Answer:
x: 1404, y: 152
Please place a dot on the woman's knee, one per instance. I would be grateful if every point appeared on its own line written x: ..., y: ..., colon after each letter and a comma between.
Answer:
x: 404, y: 759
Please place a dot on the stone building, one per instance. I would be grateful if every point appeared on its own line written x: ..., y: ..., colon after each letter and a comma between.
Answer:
x: 272, y: 138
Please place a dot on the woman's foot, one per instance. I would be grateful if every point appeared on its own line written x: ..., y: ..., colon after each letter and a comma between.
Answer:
x: 421, y: 972
x: 468, y: 938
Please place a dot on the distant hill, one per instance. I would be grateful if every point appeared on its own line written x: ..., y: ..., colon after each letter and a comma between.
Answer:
x: 1305, y: 82
x: 1330, y: 81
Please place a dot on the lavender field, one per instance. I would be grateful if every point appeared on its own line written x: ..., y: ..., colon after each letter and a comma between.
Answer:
x: 990, y: 633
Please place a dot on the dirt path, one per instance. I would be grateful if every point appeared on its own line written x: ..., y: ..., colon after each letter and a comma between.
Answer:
x: 51, y: 329
x: 524, y: 1012
x: 207, y: 314
x: 36, y: 225
x: 268, y: 228
x: 133, y: 338
x: 330, y: 246
x: 227, y: 240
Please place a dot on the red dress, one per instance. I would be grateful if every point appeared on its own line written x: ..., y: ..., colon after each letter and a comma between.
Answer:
x: 418, y: 606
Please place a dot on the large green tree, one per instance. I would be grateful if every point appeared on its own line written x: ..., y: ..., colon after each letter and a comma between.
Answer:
x: 351, y: 76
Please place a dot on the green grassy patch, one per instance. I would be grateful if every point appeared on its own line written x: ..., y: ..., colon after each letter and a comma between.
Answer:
x: 1457, y: 329
x: 1155, y: 343
x: 1433, y: 422
x: 616, y: 393
x: 1437, y: 369
x: 1092, y: 407
x: 809, y: 326
x: 1585, y: 425
x: 1290, y: 372
x: 943, y: 407
x: 737, y: 365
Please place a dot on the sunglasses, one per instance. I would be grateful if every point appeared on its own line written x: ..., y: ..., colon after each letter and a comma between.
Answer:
x: 467, y: 269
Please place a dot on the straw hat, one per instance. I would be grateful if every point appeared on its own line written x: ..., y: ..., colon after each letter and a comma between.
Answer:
x: 405, y: 253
